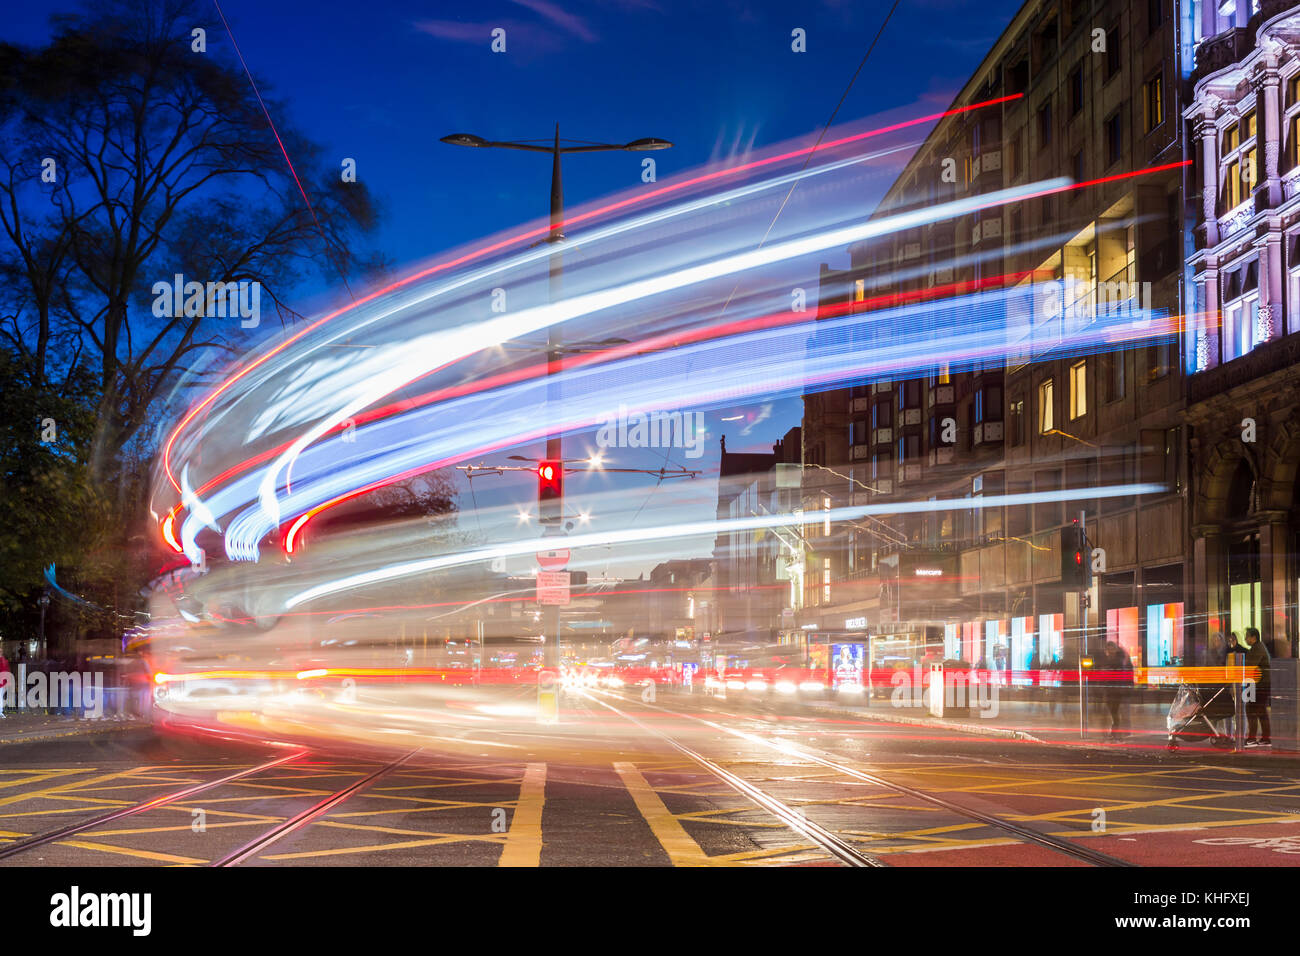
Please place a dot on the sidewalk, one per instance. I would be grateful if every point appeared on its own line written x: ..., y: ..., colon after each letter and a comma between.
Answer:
x: 18, y: 726
x: 1143, y: 722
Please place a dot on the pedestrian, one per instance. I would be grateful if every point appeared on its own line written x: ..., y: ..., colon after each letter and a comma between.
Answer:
x: 1257, y: 703
x: 5, y: 681
x: 1108, y: 691
x: 1121, y: 666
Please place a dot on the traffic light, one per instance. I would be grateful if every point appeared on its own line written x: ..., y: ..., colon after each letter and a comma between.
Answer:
x: 550, y: 491
x: 1076, y: 564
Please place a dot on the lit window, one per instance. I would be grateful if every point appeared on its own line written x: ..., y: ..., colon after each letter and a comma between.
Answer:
x: 859, y: 290
x: 1239, y: 170
x: 1078, y: 390
x: 826, y: 520
x: 826, y: 580
x: 1153, y: 105
x: 1046, y: 406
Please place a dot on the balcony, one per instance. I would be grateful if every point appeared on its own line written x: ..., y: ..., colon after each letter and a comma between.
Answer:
x: 988, y: 433
x: 942, y: 395
x: 1264, y: 359
x: 985, y: 230
x: 942, y: 456
x: 990, y: 162
x: 1217, y: 52
x: 1236, y: 218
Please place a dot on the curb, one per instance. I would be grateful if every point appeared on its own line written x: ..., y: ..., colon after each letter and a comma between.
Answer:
x: 977, y: 730
x: 21, y: 737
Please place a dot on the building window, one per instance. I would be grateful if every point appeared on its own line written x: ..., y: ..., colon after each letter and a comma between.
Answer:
x: 1237, y: 159
x: 1112, y: 52
x: 1046, y: 406
x: 1160, y: 359
x: 1153, y: 102
x: 909, y: 394
x: 1078, y: 390
x: 1078, y: 170
x: 1292, y: 125
x: 1155, y: 15
x: 882, y: 466
x: 1115, y: 137
x: 1045, y: 125
x: 826, y: 580
x: 859, y: 290
x: 1017, y: 412
x: 1240, y: 311
x: 1173, y: 467
x: 1076, y: 90
x: 1116, y: 376
x: 988, y: 404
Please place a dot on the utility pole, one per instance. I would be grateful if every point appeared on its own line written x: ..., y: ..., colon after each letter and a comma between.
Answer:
x: 554, y: 340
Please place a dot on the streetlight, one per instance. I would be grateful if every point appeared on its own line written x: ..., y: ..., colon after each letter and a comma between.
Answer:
x: 554, y: 349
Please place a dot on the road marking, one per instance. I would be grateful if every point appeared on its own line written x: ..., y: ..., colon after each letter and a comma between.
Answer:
x: 127, y: 851
x: 524, y: 838
x: 672, y: 836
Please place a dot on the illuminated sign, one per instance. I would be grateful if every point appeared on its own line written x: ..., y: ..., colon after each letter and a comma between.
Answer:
x: 928, y: 572
x: 855, y: 623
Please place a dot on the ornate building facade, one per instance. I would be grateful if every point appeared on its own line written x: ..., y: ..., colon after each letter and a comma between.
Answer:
x: 1243, y: 341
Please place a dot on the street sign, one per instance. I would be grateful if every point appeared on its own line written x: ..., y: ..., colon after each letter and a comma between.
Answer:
x: 553, y: 587
x: 554, y: 560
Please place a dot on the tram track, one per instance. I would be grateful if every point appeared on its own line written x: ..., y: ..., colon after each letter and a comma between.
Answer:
x: 829, y: 841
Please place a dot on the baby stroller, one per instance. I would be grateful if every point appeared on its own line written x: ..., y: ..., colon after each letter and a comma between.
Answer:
x: 1196, y: 712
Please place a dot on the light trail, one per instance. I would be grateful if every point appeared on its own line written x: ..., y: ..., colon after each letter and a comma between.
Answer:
x: 712, y: 529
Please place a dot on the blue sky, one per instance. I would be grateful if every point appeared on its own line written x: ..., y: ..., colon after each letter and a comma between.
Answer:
x: 382, y: 81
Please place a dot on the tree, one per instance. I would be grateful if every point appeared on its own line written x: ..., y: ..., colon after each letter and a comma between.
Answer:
x: 126, y: 158
x: 163, y: 164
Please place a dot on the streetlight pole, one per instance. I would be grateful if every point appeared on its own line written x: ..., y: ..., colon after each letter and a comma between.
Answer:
x: 554, y: 341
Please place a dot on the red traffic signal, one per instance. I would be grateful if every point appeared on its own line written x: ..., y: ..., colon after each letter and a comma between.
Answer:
x: 550, y: 490
x: 1076, y: 572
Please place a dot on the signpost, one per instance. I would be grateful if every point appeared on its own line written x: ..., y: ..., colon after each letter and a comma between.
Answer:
x: 553, y: 587
x: 557, y: 559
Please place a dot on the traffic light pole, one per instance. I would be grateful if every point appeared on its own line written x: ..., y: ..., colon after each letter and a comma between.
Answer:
x: 1083, y: 629
x: 554, y: 345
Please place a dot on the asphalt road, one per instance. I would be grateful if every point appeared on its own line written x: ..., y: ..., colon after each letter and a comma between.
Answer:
x: 685, y: 781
